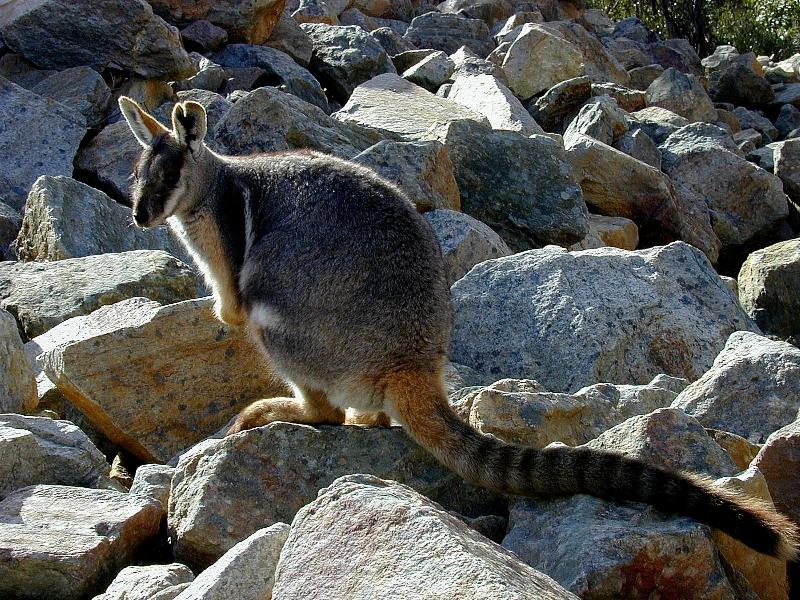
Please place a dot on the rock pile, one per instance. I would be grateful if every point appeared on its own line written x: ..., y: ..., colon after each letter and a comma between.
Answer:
x: 594, y: 190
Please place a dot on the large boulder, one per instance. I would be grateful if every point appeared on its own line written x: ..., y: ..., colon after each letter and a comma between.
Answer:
x: 682, y: 94
x: 224, y: 490
x: 752, y: 389
x: 40, y: 136
x: 779, y: 461
x: 633, y: 315
x: 600, y: 118
x: 767, y: 283
x: 68, y: 219
x: 740, y: 85
x: 80, y: 88
x: 143, y: 583
x: 58, y: 34
x: 554, y: 109
x: 156, y: 379
x: 17, y: 380
x: 79, y: 537
x: 448, y: 32
x: 787, y: 167
x: 39, y: 450
x: 599, y: 64
x: 85, y: 284
x: 360, y: 522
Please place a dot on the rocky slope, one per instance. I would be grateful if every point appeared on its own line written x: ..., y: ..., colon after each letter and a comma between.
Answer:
x: 618, y: 219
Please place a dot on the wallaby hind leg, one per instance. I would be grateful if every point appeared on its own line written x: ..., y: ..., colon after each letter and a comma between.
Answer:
x: 311, y: 407
x: 379, y: 419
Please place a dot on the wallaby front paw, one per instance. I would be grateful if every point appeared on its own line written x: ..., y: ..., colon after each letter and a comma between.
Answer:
x: 231, y: 316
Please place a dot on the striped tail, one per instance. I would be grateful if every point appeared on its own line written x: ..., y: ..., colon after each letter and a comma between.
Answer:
x: 419, y: 401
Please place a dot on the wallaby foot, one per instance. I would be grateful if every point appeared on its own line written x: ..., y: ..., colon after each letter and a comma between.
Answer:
x: 379, y: 419
x: 311, y: 408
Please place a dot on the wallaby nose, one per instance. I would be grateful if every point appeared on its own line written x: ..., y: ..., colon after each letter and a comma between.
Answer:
x: 140, y: 216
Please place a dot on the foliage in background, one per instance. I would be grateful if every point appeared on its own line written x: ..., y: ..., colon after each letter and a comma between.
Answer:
x: 770, y: 27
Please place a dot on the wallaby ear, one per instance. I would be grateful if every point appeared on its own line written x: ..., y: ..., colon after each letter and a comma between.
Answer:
x: 144, y: 126
x: 189, y: 123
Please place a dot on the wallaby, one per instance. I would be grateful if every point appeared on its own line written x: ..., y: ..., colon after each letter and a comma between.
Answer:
x: 342, y: 282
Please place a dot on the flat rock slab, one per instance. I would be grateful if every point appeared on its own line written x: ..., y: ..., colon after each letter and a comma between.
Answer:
x: 42, y: 295
x: 224, y: 490
x: 570, y: 319
x: 368, y: 538
x: 157, y: 379
x: 40, y: 450
x: 79, y: 537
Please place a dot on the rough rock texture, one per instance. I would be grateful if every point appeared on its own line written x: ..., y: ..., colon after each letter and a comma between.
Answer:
x: 17, y: 380
x: 153, y: 481
x: 267, y: 120
x: 464, y: 241
x: 638, y: 145
x: 156, y: 379
x: 431, y: 72
x: 750, y: 119
x: 665, y: 310
x: 448, y: 33
x: 39, y: 450
x: 767, y: 283
x: 657, y: 122
x: 740, y: 85
x: 81, y: 89
x: 683, y: 95
x: 203, y: 36
x: 752, y: 389
x: 85, y: 284
x: 10, y: 224
x: 224, y: 490
x: 345, y: 57
x: 24, y: 152
x: 487, y: 95
x: 143, y: 583
x: 520, y: 411
x: 422, y: 170
x: 80, y: 537
x: 600, y: 118
x: 245, y: 572
x: 283, y: 72
x: 618, y: 232
x: 560, y: 103
x: 538, y: 59
x: 58, y: 34
x: 68, y: 219
x: 787, y: 167
x: 788, y: 119
x: 628, y: 99
x: 361, y: 538
x: 250, y: 21
x: 779, y: 461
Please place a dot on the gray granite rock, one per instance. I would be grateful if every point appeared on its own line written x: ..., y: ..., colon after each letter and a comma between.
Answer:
x: 663, y: 310
x: 683, y: 95
x: 80, y: 88
x: 600, y: 118
x: 287, y: 36
x: 144, y: 582
x: 17, y: 378
x: 203, y: 36
x: 555, y: 108
x: 740, y: 85
x: 787, y: 167
x: 431, y: 72
x: 448, y: 32
x: 154, y: 481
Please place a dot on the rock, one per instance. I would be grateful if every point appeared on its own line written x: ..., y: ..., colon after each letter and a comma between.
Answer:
x: 345, y: 57
x: 24, y: 152
x: 17, y: 380
x: 490, y: 11
x: 725, y: 56
x: 143, y: 583
x: 39, y: 450
x: 522, y: 412
x: 522, y: 187
x: 156, y: 379
x: 645, y: 196
x: 739, y: 85
x: 203, y: 36
x: 683, y: 95
x: 743, y: 201
x: 599, y: 65
x: 633, y: 29
x: 642, y: 77
x: 788, y: 93
x: 469, y: 63
x: 600, y: 118
x: 785, y: 71
x: 617, y: 232
x: 449, y: 32
x: 245, y: 572
x: 59, y: 34
x: 81, y: 89
x: 392, y: 42
x: 249, y: 21
x: 10, y: 224
x: 538, y: 59
x: 68, y: 219
x: 283, y: 72
x: 764, y: 157
x: 787, y: 167
x: 664, y: 310
x: 597, y: 22
x: 80, y: 537
x: 555, y: 108
x: 431, y: 72
x: 766, y: 281
x: 627, y: 99
x: 422, y: 170
x: 779, y: 461
x: 638, y: 145
x: 267, y: 120
x: 788, y: 120
x: 464, y: 241
x: 85, y: 284
x: 726, y: 119
x: 361, y: 521
x: 750, y: 390
x: 210, y: 76
x: 265, y: 475
x: 505, y: 31
x: 658, y: 123
x: 22, y: 72
x: 407, y: 59
x: 486, y: 95
x: 287, y: 36
x: 749, y: 119
x: 153, y: 481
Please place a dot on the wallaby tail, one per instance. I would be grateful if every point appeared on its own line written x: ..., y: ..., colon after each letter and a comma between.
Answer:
x: 420, y: 402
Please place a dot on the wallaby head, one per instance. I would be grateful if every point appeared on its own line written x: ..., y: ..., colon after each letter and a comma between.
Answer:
x: 165, y: 179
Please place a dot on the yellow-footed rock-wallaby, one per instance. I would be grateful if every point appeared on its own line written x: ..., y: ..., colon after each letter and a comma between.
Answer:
x: 342, y: 283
